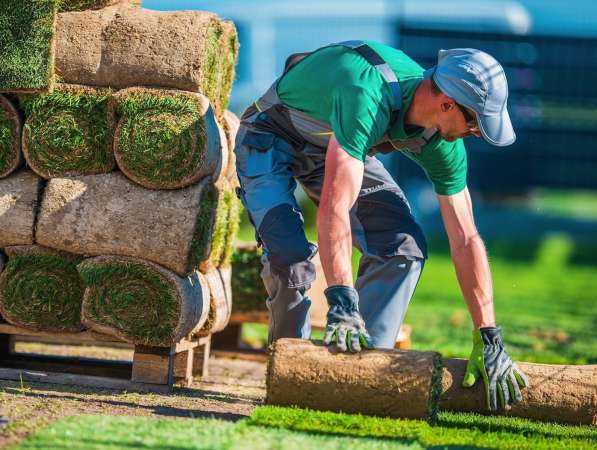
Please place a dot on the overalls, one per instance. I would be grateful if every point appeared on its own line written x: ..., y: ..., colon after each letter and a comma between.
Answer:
x: 276, y: 146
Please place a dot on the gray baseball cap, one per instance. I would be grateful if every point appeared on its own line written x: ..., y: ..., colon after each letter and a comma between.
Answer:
x: 476, y: 80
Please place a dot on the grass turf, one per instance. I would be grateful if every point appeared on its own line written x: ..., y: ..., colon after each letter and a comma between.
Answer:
x: 81, y: 5
x: 235, y: 209
x: 161, y: 136
x: 220, y: 228
x: 6, y: 140
x: 42, y: 292
x: 26, y: 45
x: 452, y: 430
x: 204, y: 227
x: 228, y: 62
x: 131, y: 298
x: 68, y: 132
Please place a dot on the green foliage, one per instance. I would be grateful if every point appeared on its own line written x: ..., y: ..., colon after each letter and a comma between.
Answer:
x: 132, y: 298
x: 6, y: 139
x: 218, y: 241
x: 161, y: 137
x: 211, y: 72
x: 248, y: 292
x: 451, y: 429
x: 68, y: 132
x: 26, y: 34
x: 229, y: 57
x: 43, y: 292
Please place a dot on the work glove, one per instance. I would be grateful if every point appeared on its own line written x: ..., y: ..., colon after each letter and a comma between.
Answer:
x: 489, y: 360
x: 345, y: 325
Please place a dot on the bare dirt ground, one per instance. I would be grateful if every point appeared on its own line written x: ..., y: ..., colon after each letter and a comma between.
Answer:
x: 230, y: 392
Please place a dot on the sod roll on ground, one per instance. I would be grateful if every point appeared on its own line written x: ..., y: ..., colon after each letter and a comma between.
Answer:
x: 68, y: 132
x: 248, y: 291
x: 141, y: 302
x: 556, y: 393
x: 40, y: 289
x: 127, y: 46
x: 385, y: 383
x: 220, y: 305
x: 10, y: 137
x: 27, y: 45
x: 19, y: 194
x: 167, y: 139
x: 110, y: 215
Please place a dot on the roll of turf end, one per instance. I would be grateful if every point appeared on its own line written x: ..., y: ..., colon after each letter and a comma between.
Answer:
x: 10, y: 138
x: 166, y: 139
x: 219, y: 303
x: 384, y: 383
x: 141, y: 302
x: 68, y: 132
x: 40, y: 289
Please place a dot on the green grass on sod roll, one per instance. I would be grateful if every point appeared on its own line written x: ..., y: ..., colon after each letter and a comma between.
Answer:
x: 161, y: 136
x: 248, y: 292
x: 229, y: 57
x: 68, y: 131
x: 6, y: 139
x: 26, y: 45
x: 132, y: 299
x: 204, y: 227
x: 218, y: 240
x: 42, y: 292
x: 81, y: 5
x: 212, y: 73
x: 235, y: 209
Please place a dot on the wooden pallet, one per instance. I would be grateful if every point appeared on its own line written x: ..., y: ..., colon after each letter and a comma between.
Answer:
x: 152, y: 368
x: 228, y: 342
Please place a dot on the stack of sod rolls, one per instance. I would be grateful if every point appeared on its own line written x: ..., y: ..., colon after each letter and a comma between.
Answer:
x: 125, y: 217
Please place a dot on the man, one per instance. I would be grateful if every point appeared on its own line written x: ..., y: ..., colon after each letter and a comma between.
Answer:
x: 320, y: 124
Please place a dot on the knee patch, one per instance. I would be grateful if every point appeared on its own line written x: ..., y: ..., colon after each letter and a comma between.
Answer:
x: 288, y: 251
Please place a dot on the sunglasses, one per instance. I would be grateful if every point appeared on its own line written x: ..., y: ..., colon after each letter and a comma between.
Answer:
x: 469, y: 118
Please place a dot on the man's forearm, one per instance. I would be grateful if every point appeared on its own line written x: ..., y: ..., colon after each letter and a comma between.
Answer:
x: 335, y: 244
x: 474, y: 276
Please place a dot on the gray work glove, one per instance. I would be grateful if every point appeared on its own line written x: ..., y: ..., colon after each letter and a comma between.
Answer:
x: 489, y: 360
x: 344, y: 322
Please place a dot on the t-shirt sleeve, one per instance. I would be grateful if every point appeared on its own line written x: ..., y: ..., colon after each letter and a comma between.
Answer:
x: 359, y: 118
x: 444, y: 163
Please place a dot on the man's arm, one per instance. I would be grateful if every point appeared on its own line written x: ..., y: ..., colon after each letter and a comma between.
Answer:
x: 489, y: 360
x: 469, y: 257
x: 341, y: 185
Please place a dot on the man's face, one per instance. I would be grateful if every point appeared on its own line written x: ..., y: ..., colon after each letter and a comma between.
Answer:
x: 456, y: 121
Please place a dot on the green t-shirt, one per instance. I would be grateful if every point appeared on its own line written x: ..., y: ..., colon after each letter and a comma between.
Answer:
x: 338, y: 86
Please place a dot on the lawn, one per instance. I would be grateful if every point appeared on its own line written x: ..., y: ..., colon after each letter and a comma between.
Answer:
x: 290, y: 428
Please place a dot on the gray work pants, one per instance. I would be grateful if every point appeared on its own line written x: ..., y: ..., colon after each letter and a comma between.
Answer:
x: 391, y: 242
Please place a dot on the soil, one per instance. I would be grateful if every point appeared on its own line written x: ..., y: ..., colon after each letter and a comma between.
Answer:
x: 231, y: 391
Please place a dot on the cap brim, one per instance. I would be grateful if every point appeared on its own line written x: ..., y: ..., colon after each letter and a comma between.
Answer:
x: 497, y: 130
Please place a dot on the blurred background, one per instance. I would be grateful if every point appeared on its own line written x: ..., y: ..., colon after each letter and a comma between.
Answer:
x: 535, y: 201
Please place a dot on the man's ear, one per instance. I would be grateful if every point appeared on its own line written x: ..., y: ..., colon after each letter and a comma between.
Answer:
x: 447, y: 105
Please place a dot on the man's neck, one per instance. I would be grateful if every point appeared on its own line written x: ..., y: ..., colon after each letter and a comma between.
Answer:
x: 418, y: 114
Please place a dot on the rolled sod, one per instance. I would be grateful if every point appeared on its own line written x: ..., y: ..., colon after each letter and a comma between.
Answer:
x: 248, y: 291
x: 556, y: 393
x: 219, y: 231
x: 141, y: 302
x: 82, y: 5
x: 235, y: 210
x: 229, y: 45
x: 27, y: 45
x: 231, y: 125
x: 384, y: 383
x: 166, y: 139
x: 40, y: 289
x: 10, y: 138
x: 2, y: 261
x: 68, y: 132
x: 19, y: 194
x: 129, y: 46
x: 219, y: 303
x: 110, y: 215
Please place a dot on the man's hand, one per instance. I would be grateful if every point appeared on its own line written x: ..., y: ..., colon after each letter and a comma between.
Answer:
x: 490, y: 361
x: 344, y: 322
